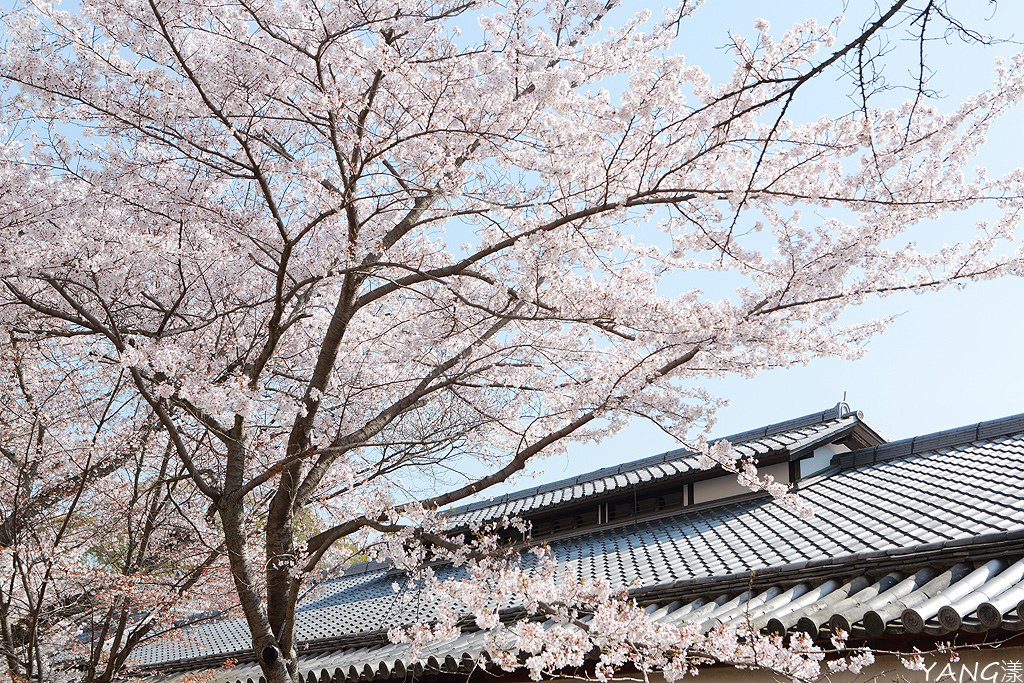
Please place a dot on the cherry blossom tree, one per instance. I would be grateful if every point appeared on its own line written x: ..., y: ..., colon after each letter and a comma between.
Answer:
x: 96, y: 547
x: 357, y: 260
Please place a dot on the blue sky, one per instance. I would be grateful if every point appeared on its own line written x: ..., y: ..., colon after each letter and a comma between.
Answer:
x: 951, y: 358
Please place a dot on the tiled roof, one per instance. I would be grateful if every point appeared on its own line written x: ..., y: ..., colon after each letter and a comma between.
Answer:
x: 892, y: 501
x: 792, y: 435
x: 930, y: 600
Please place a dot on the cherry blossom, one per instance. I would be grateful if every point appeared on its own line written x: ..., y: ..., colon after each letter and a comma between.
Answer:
x: 324, y: 268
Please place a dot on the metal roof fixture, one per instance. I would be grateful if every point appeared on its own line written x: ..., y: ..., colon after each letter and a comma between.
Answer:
x: 911, y: 540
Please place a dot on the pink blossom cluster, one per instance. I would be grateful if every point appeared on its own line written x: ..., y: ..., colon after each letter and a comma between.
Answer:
x: 280, y: 280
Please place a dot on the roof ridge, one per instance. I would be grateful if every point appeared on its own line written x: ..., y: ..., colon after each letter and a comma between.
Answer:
x: 956, y: 436
x: 839, y: 411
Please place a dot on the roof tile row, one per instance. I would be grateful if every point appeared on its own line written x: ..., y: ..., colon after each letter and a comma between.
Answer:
x: 792, y: 435
x: 934, y: 601
x: 950, y: 495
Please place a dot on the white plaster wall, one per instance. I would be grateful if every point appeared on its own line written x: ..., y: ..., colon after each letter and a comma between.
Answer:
x: 726, y: 486
x: 821, y: 458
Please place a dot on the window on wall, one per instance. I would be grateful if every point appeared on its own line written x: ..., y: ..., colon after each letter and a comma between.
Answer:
x: 578, y: 519
x: 619, y: 509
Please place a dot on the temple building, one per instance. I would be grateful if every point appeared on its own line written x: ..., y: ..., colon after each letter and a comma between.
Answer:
x: 913, y: 542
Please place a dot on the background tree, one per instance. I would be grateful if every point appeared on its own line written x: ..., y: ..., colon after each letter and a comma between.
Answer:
x: 361, y: 260
x: 96, y: 545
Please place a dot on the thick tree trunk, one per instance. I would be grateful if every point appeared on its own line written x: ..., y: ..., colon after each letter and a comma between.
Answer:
x: 280, y: 563
x: 277, y: 667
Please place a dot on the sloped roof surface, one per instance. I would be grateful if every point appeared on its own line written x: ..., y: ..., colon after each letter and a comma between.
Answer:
x: 951, y: 494
x: 936, y: 601
x: 792, y: 435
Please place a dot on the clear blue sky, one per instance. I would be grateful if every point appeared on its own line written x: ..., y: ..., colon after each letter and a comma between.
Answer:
x: 952, y: 358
